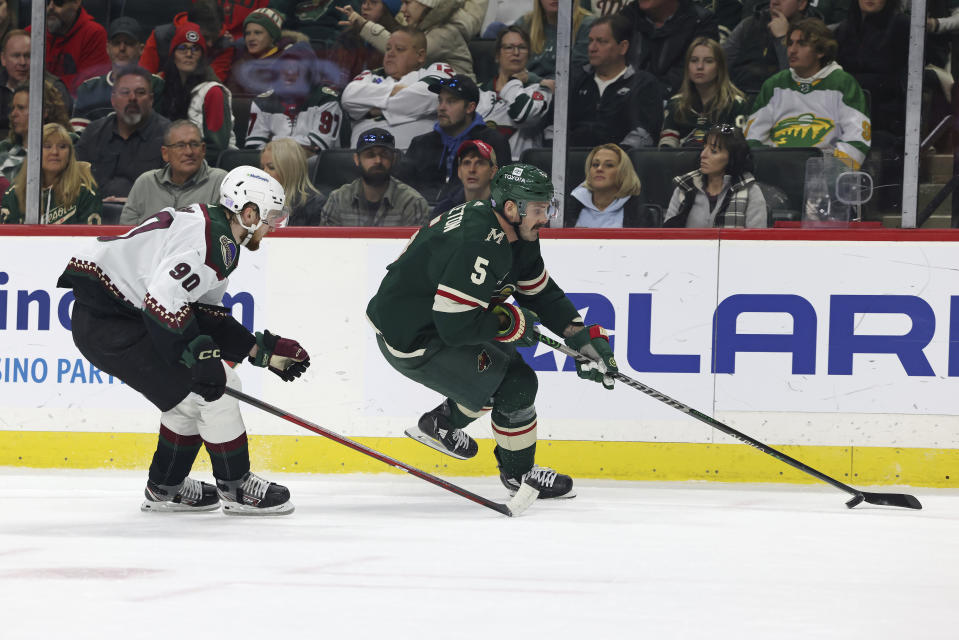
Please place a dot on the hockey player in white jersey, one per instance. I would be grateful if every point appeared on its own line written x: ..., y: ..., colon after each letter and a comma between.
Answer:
x: 396, y: 97
x: 148, y: 311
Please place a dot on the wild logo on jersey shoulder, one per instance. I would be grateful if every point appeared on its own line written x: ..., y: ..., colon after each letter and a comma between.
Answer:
x: 805, y: 130
x: 228, y: 250
x: 483, y: 361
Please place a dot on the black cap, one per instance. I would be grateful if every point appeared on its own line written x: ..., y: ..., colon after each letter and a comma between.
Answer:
x: 375, y: 137
x: 126, y: 25
x: 462, y: 86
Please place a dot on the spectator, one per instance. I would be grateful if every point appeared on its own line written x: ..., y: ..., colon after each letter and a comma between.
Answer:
x: 286, y: 162
x: 235, y: 13
x: 610, y: 195
x: 375, y: 199
x: 501, y: 13
x: 124, y: 46
x: 430, y: 160
x: 252, y: 71
x: 209, y: 16
x: 475, y: 166
x: 447, y: 26
x: 297, y: 106
x: 75, y: 47
x: 184, y: 179
x: 814, y: 103
x: 611, y: 100
x: 127, y: 142
x: 662, y: 32
x: 706, y: 98
x: 319, y: 21
x: 13, y: 150
x: 756, y: 49
x: 8, y: 18
x: 723, y: 191
x: 519, y: 100
x: 191, y: 91
x: 15, y: 70
x: 396, y: 98
x: 829, y: 11
x: 540, y: 24
x: 69, y: 192
x: 353, y: 54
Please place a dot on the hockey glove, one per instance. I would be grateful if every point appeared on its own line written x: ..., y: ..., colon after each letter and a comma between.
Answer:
x: 519, y: 329
x: 286, y: 358
x: 593, y: 342
x: 202, y: 355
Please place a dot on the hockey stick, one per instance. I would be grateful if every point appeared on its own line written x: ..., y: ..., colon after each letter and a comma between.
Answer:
x: 887, y: 499
x: 516, y: 505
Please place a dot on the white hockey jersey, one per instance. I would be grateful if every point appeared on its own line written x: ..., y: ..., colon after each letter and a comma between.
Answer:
x: 516, y: 111
x: 314, y: 123
x: 409, y: 113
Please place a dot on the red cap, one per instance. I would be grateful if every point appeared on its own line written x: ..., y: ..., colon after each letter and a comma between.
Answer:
x: 188, y: 32
x: 480, y: 147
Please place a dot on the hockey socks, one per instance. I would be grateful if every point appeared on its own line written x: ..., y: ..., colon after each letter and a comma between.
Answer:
x: 230, y: 460
x: 174, y: 457
x: 513, y: 464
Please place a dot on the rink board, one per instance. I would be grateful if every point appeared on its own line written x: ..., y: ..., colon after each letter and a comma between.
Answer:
x: 843, y: 349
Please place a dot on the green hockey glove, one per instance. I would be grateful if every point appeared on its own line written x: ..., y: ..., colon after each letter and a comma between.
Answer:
x: 519, y: 329
x: 593, y: 342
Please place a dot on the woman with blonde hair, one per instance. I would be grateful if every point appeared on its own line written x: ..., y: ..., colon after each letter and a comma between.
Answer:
x: 706, y: 97
x: 68, y: 193
x: 610, y: 195
x: 285, y: 160
x: 540, y: 23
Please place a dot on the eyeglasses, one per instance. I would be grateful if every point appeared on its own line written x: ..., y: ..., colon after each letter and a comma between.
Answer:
x: 126, y: 93
x: 180, y: 146
x: 189, y: 48
x: 518, y: 48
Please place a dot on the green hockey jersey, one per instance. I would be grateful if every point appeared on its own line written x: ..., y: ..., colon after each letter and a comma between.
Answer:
x: 827, y: 110
x: 450, y: 276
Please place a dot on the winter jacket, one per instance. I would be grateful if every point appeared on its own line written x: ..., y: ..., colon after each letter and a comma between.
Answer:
x: 739, y: 204
x: 318, y: 20
x: 429, y: 160
x: 682, y: 129
x: 444, y: 40
x: 80, y: 53
x: 662, y: 50
x: 157, y: 49
x: 875, y: 50
x: 629, y: 112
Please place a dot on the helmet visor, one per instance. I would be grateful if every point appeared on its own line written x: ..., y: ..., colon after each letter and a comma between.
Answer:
x: 548, y: 209
x: 275, y: 217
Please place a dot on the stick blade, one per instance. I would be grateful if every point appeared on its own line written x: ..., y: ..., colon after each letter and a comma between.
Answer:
x: 522, y: 500
x: 903, y: 500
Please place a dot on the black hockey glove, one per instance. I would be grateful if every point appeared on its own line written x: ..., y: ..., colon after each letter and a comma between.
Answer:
x: 286, y: 358
x: 519, y: 329
x: 209, y: 378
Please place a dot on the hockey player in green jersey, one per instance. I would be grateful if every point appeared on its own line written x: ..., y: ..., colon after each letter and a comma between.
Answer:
x: 442, y: 319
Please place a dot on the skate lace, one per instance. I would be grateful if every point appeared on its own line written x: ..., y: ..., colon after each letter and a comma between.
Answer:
x: 460, y: 439
x: 255, y: 486
x: 544, y: 475
x: 191, y: 489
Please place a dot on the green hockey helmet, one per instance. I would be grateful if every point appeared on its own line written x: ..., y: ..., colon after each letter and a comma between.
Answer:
x: 521, y: 183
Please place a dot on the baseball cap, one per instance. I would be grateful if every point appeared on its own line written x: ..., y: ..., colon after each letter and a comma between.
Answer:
x: 462, y: 86
x: 127, y: 26
x: 480, y: 147
x: 375, y: 137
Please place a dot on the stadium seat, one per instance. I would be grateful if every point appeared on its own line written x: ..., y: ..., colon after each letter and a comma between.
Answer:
x: 483, y: 51
x: 333, y: 169
x: 241, y: 117
x: 656, y: 169
x: 786, y: 170
x: 542, y: 157
x: 111, y: 212
x: 233, y: 158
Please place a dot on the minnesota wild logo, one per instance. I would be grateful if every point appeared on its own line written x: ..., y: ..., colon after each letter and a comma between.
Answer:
x: 805, y: 130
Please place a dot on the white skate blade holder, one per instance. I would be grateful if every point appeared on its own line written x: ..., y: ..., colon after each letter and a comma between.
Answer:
x: 234, y: 509
x: 419, y: 436
x: 524, y: 497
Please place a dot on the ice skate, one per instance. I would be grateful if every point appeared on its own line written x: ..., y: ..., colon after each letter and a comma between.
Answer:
x: 251, y: 495
x: 434, y: 431
x: 549, y: 483
x: 192, y: 495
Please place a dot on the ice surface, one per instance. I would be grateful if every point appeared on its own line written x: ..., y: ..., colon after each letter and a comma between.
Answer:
x: 390, y: 556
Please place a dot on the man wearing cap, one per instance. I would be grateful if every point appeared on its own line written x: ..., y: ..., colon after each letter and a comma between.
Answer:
x: 396, y: 97
x: 127, y: 142
x: 375, y: 199
x: 430, y: 160
x: 75, y: 45
x: 475, y: 166
x: 124, y: 46
x: 15, y: 70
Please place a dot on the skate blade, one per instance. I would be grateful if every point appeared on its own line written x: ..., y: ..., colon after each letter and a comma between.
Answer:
x: 419, y: 436
x: 234, y: 509
x: 565, y: 496
x: 149, y: 506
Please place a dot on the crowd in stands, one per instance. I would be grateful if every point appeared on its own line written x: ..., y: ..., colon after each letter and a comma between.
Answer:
x: 423, y: 99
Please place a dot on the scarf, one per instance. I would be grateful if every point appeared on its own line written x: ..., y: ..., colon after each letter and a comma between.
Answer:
x: 731, y: 213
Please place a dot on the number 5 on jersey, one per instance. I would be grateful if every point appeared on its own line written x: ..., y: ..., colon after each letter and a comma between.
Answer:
x: 479, y: 270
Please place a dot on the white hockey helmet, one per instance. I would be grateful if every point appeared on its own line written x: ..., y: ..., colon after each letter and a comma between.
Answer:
x: 249, y: 185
